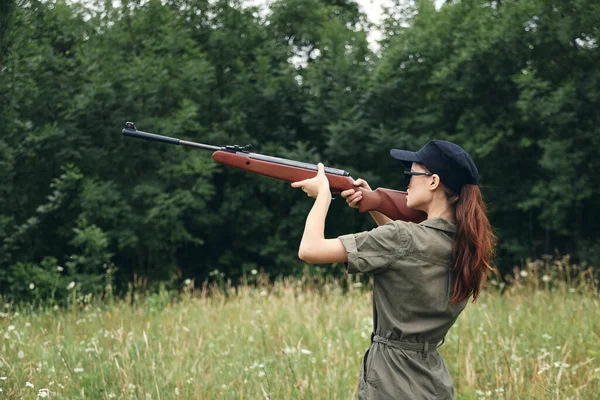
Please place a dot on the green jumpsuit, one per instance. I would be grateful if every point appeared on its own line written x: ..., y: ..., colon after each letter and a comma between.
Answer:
x: 413, y: 280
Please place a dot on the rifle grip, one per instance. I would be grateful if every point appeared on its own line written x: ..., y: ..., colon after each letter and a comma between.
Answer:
x: 391, y: 203
x: 370, y: 200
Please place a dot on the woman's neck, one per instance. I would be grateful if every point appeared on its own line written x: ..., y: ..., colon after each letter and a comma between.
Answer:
x: 441, y: 210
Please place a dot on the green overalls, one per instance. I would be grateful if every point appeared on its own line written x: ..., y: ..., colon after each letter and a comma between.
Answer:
x: 412, y: 285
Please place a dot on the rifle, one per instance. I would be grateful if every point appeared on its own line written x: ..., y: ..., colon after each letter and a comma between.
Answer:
x: 391, y: 203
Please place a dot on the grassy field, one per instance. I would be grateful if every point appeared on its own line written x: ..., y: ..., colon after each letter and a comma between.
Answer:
x: 298, y: 339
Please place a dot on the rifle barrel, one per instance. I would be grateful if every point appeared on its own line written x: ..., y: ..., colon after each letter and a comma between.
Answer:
x: 200, y: 145
x: 130, y: 130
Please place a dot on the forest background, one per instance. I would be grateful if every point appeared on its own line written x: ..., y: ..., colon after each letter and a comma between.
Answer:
x: 516, y: 83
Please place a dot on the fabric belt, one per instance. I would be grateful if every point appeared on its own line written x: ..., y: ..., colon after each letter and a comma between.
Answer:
x: 426, y: 347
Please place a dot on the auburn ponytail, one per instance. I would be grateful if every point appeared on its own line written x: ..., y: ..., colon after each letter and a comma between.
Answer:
x: 474, y: 245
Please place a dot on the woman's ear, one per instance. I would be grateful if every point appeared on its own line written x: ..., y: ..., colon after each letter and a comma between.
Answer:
x: 435, y: 182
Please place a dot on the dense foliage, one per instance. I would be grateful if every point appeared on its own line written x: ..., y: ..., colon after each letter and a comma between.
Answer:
x: 516, y: 83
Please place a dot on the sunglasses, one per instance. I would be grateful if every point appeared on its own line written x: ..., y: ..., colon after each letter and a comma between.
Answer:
x: 410, y: 174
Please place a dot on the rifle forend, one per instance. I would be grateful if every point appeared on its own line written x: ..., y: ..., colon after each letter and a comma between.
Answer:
x: 391, y: 203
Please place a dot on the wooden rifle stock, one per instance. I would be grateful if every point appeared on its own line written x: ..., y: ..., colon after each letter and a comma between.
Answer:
x: 391, y: 203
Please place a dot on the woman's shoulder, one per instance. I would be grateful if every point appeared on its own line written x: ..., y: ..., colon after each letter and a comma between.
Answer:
x: 430, y: 239
x: 428, y: 227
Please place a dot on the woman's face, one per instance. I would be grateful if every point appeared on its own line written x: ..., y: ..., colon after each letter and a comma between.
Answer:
x: 418, y: 191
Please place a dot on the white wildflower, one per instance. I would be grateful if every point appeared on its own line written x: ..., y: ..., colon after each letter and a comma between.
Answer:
x: 524, y: 273
x: 571, y: 290
x: 20, y: 354
x: 60, y: 269
x: 187, y: 282
x: 546, y: 278
x: 176, y: 391
x: 71, y: 285
x: 545, y: 336
x: 289, y: 350
x: 305, y: 351
x: 43, y: 393
x: 31, y: 286
x: 3, y: 378
x: 560, y: 364
x: 254, y: 272
x: 263, y: 292
x: 357, y: 284
x: 11, y: 328
x: 27, y: 324
x: 29, y: 384
x: 78, y: 370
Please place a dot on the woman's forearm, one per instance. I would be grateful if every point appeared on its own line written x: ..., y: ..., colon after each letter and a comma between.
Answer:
x: 314, y: 229
x: 379, y: 218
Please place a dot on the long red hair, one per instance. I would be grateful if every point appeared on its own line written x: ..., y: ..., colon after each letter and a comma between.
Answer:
x: 474, y: 245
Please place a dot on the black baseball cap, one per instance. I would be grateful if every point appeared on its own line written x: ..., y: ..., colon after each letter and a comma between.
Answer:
x: 446, y: 159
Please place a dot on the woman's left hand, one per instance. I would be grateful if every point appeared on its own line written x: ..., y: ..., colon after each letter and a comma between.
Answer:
x: 313, y: 186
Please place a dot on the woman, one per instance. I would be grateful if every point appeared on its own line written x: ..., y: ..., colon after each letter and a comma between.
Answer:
x: 423, y: 274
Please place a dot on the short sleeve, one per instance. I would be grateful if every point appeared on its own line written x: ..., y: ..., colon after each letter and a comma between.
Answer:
x: 373, y: 251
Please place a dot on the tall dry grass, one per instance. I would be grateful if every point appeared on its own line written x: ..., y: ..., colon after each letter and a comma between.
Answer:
x: 538, y: 338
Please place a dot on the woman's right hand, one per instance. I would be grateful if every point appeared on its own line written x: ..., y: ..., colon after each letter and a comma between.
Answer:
x: 352, y: 196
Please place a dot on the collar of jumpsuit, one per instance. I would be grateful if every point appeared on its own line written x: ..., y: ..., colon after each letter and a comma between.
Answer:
x: 441, y: 224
